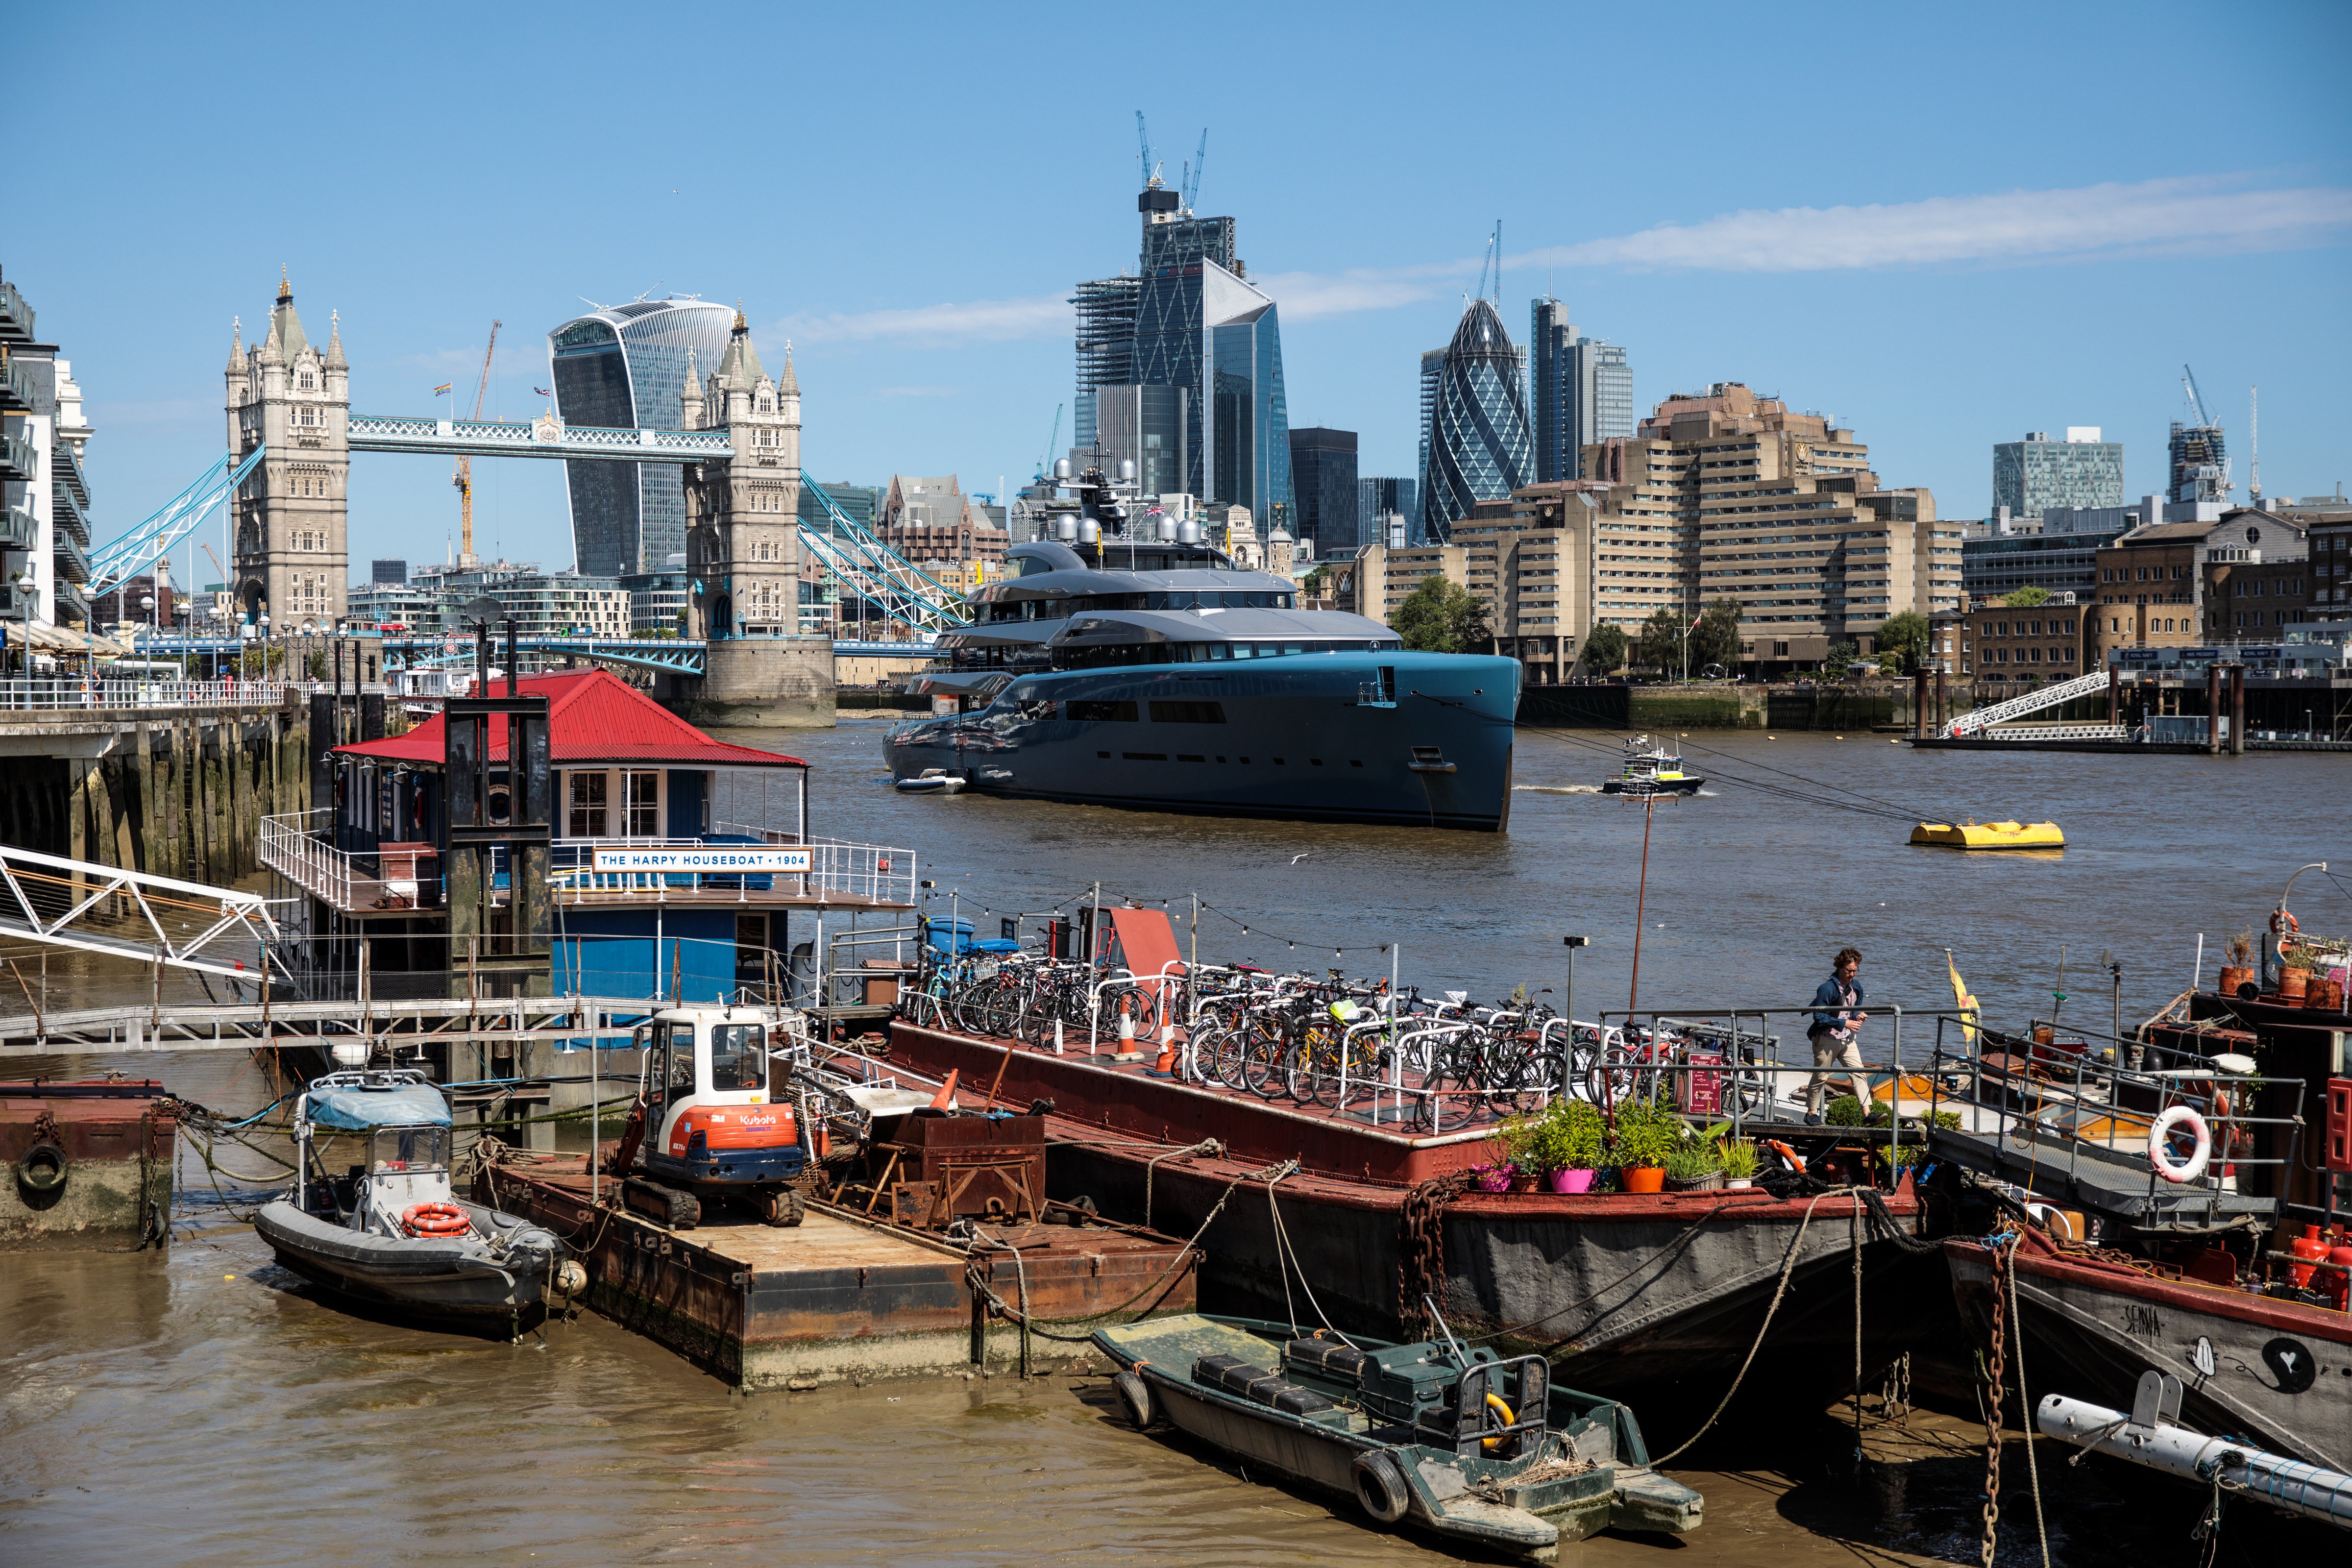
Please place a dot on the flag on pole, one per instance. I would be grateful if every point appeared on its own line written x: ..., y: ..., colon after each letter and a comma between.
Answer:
x: 543, y: 391
x: 1962, y: 1003
x: 442, y: 390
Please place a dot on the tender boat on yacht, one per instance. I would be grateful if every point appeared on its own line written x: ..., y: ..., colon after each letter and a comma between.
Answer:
x: 1125, y: 667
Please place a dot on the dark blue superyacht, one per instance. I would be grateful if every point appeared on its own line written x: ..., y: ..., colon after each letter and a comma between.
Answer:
x: 1150, y: 672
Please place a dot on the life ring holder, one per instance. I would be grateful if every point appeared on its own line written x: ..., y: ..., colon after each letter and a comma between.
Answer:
x: 2159, y: 1154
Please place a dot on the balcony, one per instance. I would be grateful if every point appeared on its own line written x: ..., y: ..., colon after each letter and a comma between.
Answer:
x: 66, y: 463
x: 16, y: 316
x: 299, y: 847
x: 17, y: 529
x: 16, y: 385
x: 18, y: 460
x: 73, y: 565
x: 70, y: 518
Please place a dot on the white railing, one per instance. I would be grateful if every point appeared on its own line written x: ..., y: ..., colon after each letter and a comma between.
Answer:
x: 869, y: 871
x: 135, y: 914
x: 2056, y: 732
x: 291, y: 847
x: 98, y: 692
x: 2030, y: 702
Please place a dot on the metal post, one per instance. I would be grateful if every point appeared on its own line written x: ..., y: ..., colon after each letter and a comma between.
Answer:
x: 2115, y: 695
x: 2212, y: 710
x: 1567, y: 1004
x: 2237, y: 709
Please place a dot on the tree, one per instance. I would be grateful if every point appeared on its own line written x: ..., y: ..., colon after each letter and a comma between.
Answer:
x: 2025, y: 598
x: 1662, y: 639
x: 1716, y: 640
x: 1604, y: 649
x: 1841, y: 659
x: 1316, y: 584
x: 1440, y: 616
x: 1904, y: 636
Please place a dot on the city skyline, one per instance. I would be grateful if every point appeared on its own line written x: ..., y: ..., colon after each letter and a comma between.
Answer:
x: 1948, y: 288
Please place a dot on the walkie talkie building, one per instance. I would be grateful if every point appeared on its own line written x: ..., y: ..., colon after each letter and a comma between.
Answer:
x: 620, y: 367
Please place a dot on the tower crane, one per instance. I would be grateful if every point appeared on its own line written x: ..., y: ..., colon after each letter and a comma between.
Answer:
x: 1192, y: 177
x: 1046, y: 462
x: 464, y: 477
x: 2189, y: 385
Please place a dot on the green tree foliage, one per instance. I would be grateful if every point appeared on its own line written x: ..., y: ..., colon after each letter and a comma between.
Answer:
x: 1841, y: 659
x: 1604, y: 650
x: 2027, y: 597
x: 1440, y: 616
x: 1661, y: 641
x: 1716, y: 640
x: 1905, y: 637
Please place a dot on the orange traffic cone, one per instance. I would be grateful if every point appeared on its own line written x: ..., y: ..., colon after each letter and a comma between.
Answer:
x: 945, y: 1099
x: 1166, y: 1062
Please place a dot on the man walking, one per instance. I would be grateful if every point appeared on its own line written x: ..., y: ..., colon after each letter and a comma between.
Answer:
x: 1837, y: 1018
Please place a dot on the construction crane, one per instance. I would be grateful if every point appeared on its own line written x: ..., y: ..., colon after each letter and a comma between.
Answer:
x: 464, y: 477
x: 1191, y: 179
x: 1046, y: 461
x: 2189, y: 385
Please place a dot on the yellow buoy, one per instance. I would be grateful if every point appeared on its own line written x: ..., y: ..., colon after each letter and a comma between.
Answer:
x: 1989, y: 835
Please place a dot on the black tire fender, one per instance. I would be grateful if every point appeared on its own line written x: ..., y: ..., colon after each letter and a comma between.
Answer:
x: 43, y: 1169
x: 1380, y: 1485
x: 1135, y: 1398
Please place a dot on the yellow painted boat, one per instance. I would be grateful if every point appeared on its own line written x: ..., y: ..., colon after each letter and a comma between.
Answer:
x: 1989, y: 835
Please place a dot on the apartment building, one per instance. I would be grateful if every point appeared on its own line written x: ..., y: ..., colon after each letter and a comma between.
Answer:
x: 2153, y: 589
x: 1729, y: 495
x: 2026, y: 647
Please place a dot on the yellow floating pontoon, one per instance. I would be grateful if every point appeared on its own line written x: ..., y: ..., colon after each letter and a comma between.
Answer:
x: 1989, y: 835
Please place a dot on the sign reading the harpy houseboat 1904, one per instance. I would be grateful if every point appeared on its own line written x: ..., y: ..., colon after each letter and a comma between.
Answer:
x: 707, y: 858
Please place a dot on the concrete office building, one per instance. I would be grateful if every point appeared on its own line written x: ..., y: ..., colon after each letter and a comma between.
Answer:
x: 1580, y: 392
x: 622, y: 367
x: 2031, y: 475
x: 1323, y: 478
x: 1475, y: 443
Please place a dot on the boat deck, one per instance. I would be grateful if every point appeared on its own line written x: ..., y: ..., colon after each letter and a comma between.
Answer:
x: 2086, y: 1176
x: 840, y: 1296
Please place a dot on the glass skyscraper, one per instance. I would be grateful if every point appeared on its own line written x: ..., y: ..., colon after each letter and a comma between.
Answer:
x: 1200, y: 406
x: 1477, y: 444
x: 625, y: 366
x: 1323, y: 472
x: 1377, y: 499
x: 1580, y: 392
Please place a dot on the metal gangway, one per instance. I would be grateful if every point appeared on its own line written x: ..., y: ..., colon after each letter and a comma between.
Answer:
x: 2035, y: 702
x: 403, y: 1026
x: 88, y: 907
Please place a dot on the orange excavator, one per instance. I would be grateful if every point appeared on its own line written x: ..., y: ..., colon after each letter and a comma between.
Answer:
x: 707, y: 1125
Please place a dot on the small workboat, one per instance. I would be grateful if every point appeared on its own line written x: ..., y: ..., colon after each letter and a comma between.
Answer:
x: 391, y: 1233
x: 931, y: 781
x: 1480, y: 1448
x: 1655, y: 771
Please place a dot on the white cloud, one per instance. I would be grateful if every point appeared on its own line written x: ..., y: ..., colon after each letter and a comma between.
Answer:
x: 978, y: 322
x: 1305, y: 296
x: 2014, y: 227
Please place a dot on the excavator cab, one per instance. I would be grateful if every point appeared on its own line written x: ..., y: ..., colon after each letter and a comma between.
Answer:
x: 707, y: 1125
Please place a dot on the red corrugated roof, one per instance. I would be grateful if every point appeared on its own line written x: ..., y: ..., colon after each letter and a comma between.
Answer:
x: 594, y: 717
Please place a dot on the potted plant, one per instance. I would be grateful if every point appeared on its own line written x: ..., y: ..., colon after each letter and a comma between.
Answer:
x: 2295, y: 979
x: 1691, y: 1165
x: 1738, y: 1158
x: 2239, y: 971
x: 1645, y: 1136
x: 1494, y: 1178
x: 1575, y: 1142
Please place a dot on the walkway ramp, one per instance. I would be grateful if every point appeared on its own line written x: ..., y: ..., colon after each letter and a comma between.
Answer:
x: 90, y: 907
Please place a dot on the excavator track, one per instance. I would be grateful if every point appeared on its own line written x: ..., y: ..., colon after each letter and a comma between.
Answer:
x: 667, y: 1205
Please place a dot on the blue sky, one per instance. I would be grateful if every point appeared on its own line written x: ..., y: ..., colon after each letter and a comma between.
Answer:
x: 1945, y: 227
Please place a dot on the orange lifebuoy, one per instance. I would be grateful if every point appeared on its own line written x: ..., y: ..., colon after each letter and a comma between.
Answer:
x: 442, y: 1220
x: 2283, y: 922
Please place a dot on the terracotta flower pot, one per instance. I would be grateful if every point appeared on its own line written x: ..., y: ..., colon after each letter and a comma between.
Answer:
x: 1642, y: 1178
x: 1523, y: 1181
x: 1571, y: 1181
x: 2293, y: 983
x: 2234, y: 975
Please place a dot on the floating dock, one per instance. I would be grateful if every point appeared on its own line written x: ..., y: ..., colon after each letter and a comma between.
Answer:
x: 844, y: 1298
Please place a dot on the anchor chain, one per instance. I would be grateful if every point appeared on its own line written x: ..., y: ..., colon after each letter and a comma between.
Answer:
x: 1992, y: 1416
x: 1421, y: 1247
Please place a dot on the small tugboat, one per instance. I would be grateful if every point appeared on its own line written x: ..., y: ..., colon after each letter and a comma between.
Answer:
x: 1462, y: 1442
x: 390, y: 1233
x: 1653, y: 770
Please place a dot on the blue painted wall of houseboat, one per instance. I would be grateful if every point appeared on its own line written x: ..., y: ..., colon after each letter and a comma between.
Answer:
x: 686, y: 803
x: 613, y: 952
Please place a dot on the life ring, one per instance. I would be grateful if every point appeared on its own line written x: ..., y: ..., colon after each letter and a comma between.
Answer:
x: 434, y: 1220
x: 1497, y: 1401
x: 2284, y: 923
x: 2160, y: 1152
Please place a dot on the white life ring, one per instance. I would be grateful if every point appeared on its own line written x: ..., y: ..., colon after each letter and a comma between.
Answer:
x: 2160, y: 1153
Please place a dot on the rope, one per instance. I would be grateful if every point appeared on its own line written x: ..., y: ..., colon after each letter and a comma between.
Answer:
x: 1152, y: 1168
x: 1287, y: 1257
x: 2025, y: 1404
x: 1889, y: 1228
x: 1787, y: 1267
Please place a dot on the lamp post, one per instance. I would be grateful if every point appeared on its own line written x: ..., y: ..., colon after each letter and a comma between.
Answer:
x: 1568, y: 1005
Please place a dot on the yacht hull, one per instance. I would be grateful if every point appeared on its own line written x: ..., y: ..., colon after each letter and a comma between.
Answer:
x: 1321, y: 737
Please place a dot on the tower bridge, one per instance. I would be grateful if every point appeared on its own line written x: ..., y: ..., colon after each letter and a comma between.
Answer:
x: 286, y: 476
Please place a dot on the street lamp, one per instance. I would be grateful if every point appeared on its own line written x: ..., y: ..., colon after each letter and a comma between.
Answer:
x: 1567, y: 1007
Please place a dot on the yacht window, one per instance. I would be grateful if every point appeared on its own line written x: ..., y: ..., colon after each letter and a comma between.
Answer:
x: 1242, y: 650
x: 1103, y: 712
x: 1188, y: 712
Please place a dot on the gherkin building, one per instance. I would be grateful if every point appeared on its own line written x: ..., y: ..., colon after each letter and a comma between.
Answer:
x: 1478, y: 446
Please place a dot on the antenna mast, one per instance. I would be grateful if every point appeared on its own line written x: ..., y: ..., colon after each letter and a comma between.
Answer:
x: 2254, y: 435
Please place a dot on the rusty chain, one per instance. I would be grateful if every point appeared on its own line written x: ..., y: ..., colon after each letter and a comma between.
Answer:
x: 1992, y: 1416
x: 1421, y: 1247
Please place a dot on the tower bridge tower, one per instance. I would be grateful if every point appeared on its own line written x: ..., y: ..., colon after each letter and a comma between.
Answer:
x: 742, y: 541
x: 290, y: 558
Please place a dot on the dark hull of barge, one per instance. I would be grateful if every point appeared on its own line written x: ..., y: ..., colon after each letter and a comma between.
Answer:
x: 1645, y: 1295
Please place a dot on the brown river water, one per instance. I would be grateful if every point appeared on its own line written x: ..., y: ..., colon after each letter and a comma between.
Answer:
x: 202, y: 1406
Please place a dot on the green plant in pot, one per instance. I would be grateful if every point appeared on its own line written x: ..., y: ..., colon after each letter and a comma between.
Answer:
x: 1739, y: 1161
x: 1573, y: 1144
x: 1645, y: 1136
x: 1693, y: 1164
